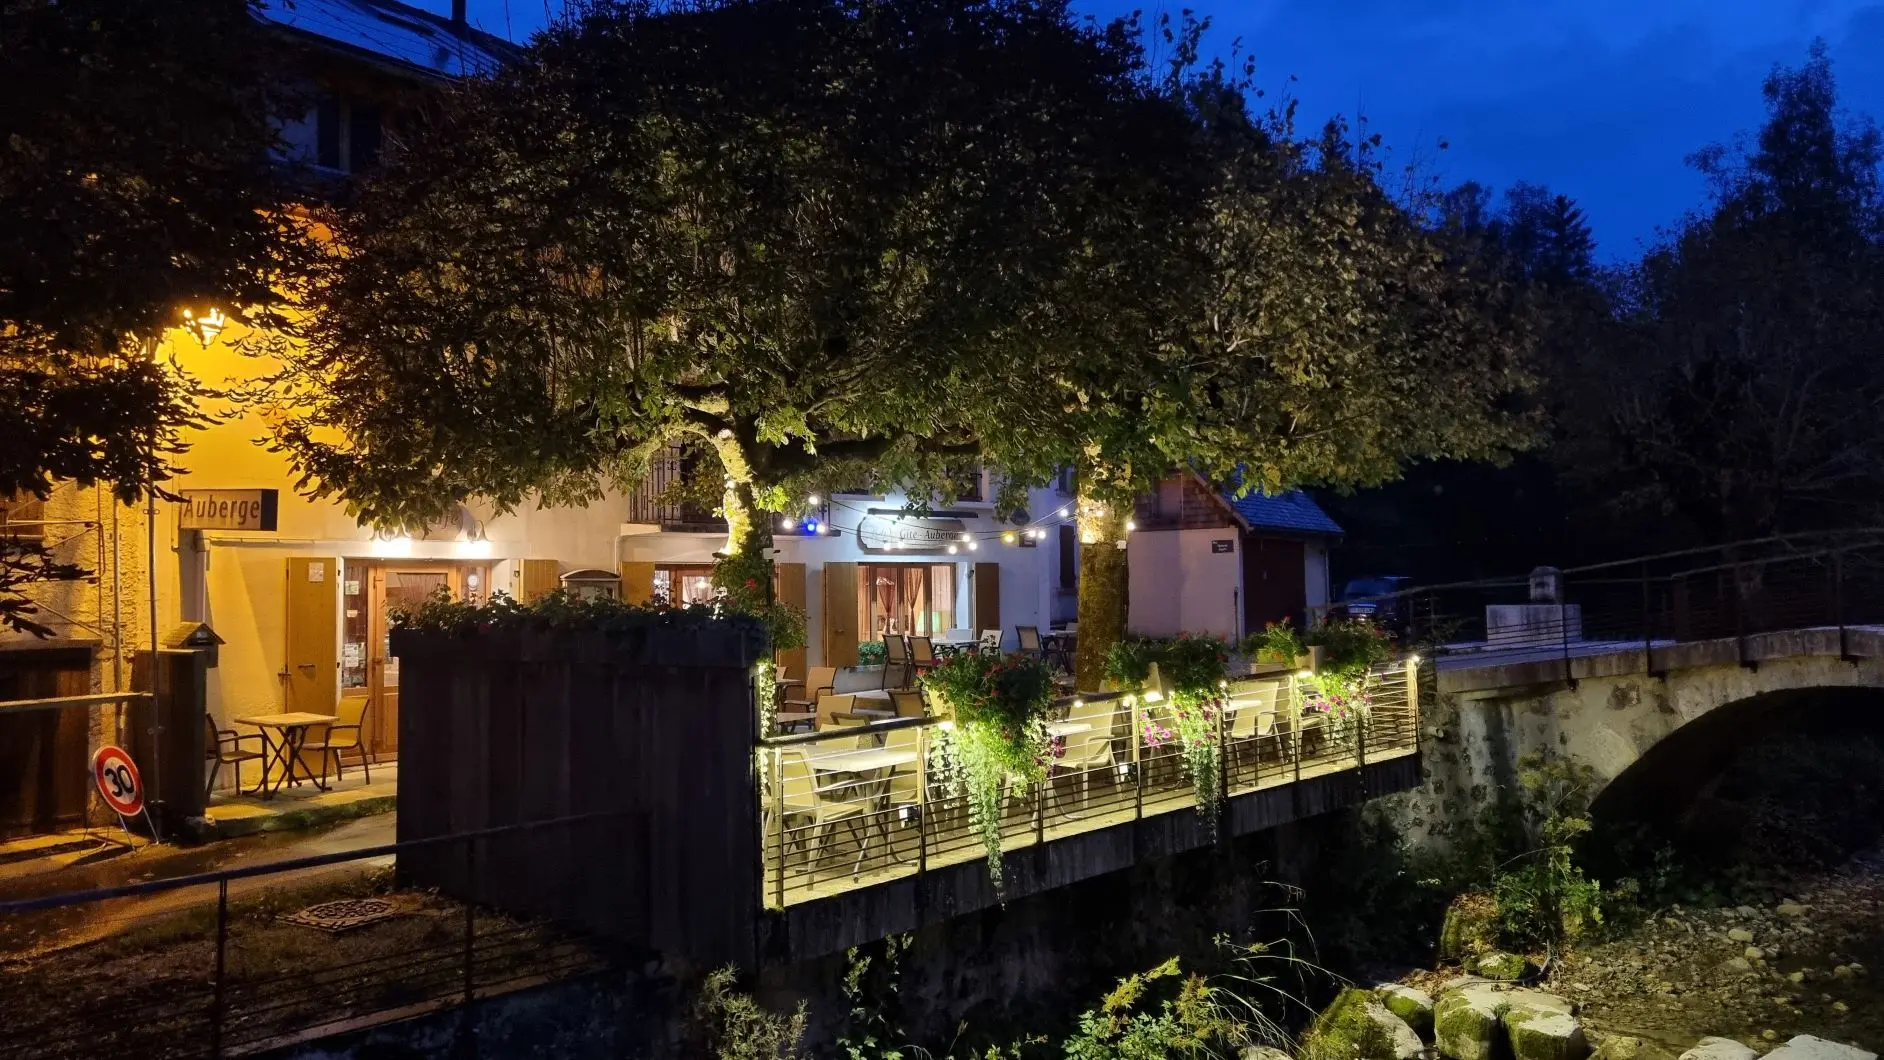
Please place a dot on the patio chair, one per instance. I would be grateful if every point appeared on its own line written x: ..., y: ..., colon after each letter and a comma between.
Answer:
x: 223, y: 747
x: 921, y: 654
x: 896, y: 660
x: 905, y: 780
x: 820, y: 682
x: 1089, y: 750
x: 991, y: 640
x: 909, y: 703
x: 1029, y: 640
x: 342, y: 736
x: 819, y: 802
x: 1253, y: 718
x: 830, y: 703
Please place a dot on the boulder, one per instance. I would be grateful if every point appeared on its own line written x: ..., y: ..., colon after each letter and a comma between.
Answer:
x: 1739, y: 935
x: 1719, y: 1049
x: 1503, y: 967
x: 1806, y: 1047
x: 1466, y: 1023
x: 1537, y: 1035
x: 1412, y: 1005
x: 1470, y: 928
x: 1617, y: 1047
x: 1356, y: 1026
x: 1526, y: 1002
x: 1790, y: 909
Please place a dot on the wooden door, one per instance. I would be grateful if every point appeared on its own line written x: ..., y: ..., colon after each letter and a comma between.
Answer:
x: 1274, y: 582
x: 538, y: 577
x: 313, y: 624
x: 398, y: 585
x: 637, y: 582
x: 987, y: 597
x: 791, y: 591
x: 840, y: 614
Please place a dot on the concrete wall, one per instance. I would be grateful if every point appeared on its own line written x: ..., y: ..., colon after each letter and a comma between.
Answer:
x: 1179, y: 585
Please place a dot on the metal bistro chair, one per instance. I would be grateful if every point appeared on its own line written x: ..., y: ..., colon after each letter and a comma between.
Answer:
x: 817, y: 684
x: 896, y: 660
x: 921, y: 654
x: 342, y: 736
x: 223, y: 747
x: 909, y: 703
x: 990, y: 641
x: 831, y: 704
x: 1029, y: 640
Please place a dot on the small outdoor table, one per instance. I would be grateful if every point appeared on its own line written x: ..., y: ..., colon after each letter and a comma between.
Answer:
x: 282, y: 737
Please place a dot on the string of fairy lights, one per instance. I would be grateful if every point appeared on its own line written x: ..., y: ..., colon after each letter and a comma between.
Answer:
x: 964, y: 541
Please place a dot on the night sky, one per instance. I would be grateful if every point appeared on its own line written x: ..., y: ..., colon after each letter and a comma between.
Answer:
x: 1599, y: 99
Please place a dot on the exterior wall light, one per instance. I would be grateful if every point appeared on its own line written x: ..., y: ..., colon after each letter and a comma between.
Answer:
x: 205, y: 327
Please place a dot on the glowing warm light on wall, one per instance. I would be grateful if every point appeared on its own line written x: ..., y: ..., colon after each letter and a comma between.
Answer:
x: 480, y: 548
x: 205, y: 327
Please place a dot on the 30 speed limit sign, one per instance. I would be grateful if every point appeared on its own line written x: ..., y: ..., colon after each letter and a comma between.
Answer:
x: 118, y: 781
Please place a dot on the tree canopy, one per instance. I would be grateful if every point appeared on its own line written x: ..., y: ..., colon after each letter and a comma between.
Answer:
x: 136, y: 180
x: 815, y: 236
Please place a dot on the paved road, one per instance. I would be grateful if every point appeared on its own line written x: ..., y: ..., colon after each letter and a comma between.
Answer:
x: 26, y: 934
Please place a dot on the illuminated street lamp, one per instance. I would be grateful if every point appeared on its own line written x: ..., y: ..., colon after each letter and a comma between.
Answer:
x: 207, y: 326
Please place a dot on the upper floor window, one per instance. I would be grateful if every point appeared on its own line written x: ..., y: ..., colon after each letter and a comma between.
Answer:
x: 340, y: 133
x: 20, y: 518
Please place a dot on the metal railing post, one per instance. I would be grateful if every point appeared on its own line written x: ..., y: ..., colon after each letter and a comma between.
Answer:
x: 1648, y: 633
x: 775, y: 772
x: 1838, y: 603
x: 222, y: 964
x: 1223, y: 750
x: 922, y: 805
x: 1138, y: 758
x: 1298, y: 725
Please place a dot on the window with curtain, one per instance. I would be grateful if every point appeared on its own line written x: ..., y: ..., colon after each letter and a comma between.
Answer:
x: 900, y: 599
x: 683, y: 585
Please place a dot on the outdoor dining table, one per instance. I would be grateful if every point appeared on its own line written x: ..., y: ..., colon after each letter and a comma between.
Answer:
x: 785, y: 719
x: 862, y: 760
x: 282, y: 737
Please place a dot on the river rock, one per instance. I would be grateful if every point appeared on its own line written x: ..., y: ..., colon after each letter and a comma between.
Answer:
x: 1263, y: 1052
x: 1719, y: 1049
x: 1617, y: 1047
x: 1466, y: 1023
x: 1412, y: 1005
x: 1356, y: 1026
x: 1503, y: 967
x: 1790, y: 909
x: 1739, y: 935
x: 1470, y: 928
x: 1546, y: 1036
x: 1806, y: 1047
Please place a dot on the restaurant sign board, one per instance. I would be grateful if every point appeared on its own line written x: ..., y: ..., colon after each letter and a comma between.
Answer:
x: 230, y: 509
x: 907, y: 534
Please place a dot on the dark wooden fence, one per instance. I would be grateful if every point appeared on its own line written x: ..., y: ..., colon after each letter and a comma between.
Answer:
x: 510, y: 727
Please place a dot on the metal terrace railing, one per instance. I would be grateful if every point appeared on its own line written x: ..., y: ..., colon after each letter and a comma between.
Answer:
x: 1832, y: 581
x: 852, y: 808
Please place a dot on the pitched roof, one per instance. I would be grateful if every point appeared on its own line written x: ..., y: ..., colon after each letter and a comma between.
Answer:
x: 1290, y: 511
x: 393, y: 34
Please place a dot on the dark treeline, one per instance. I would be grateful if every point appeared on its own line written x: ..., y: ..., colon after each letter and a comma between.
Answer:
x: 1722, y: 386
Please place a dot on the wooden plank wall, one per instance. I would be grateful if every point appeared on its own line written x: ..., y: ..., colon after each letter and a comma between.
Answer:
x: 44, y: 761
x: 507, y: 729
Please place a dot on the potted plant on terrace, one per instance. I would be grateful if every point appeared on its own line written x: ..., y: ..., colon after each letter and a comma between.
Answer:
x: 1196, y: 667
x: 998, y: 739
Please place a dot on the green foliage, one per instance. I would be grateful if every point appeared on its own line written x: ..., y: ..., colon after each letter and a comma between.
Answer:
x: 1350, y: 646
x: 730, y: 1025
x: 136, y: 181
x: 1196, y: 667
x: 872, y: 653
x: 1543, y: 896
x: 872, y: 986
x: 998, y: 737
x: 1279, y: 642
x: 745, y: 580
x: 439, y: 613
x: 1191, y: 1021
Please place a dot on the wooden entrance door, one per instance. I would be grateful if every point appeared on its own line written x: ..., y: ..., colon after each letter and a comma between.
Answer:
x: 372, y: 589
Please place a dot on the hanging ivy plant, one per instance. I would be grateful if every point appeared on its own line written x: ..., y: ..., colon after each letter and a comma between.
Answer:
x: 1342, y: 691
x: 999, y: 735
x: 1196, y: 666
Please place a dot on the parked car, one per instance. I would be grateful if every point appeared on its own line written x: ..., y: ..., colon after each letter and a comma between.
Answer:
x: 1371, y: 597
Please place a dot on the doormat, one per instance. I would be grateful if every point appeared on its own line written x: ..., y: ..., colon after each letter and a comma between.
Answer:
x: 345, y: 914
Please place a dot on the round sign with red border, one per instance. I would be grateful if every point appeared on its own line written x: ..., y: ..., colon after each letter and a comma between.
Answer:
x: 118, y: 781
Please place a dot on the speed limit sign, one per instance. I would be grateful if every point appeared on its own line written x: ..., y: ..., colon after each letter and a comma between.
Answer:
x: 118, y: 782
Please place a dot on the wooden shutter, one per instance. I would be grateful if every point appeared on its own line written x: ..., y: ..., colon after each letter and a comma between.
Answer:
x: 987, y: 596
x: 791, y: 590
x: 637, y: 583
x: 540, y: 576
x: 840, y: 614
x: 313, y: 603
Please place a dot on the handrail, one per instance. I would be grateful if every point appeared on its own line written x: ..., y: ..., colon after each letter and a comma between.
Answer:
x: 10, y: 706
x: 132, y: 890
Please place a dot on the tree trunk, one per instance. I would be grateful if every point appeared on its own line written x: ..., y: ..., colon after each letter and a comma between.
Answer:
x: 1103, y: 584
x: 747, y: 529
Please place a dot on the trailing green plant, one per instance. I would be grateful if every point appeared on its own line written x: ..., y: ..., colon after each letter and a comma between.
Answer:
x: 1350, y: 646
x: 998, y: 737
x: 1196, y: 667
x: 872, y: 653
x: 730, y: 1025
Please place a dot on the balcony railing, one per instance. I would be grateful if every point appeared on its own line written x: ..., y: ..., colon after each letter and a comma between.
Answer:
x: 646, y: 504
x: 853, y: 808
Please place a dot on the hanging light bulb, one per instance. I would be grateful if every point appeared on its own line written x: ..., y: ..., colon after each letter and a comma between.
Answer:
x: 1009, y: 537
x: 952, y: 550
x: 973, y: 545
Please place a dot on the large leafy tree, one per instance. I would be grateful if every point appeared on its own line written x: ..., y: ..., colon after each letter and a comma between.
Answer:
x: 813, y: 236
x: 136, y: 182
x: 1744, y: 390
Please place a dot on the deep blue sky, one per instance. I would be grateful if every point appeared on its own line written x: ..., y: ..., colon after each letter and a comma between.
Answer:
x: 1599, y: 99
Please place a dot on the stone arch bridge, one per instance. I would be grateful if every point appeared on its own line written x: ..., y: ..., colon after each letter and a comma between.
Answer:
x: 1653, y: 672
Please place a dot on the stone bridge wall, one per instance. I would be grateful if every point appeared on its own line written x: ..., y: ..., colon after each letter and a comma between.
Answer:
x: 1605, y: 708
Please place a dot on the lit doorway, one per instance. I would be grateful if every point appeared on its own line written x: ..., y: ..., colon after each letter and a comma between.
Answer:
x: 369, y: 674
